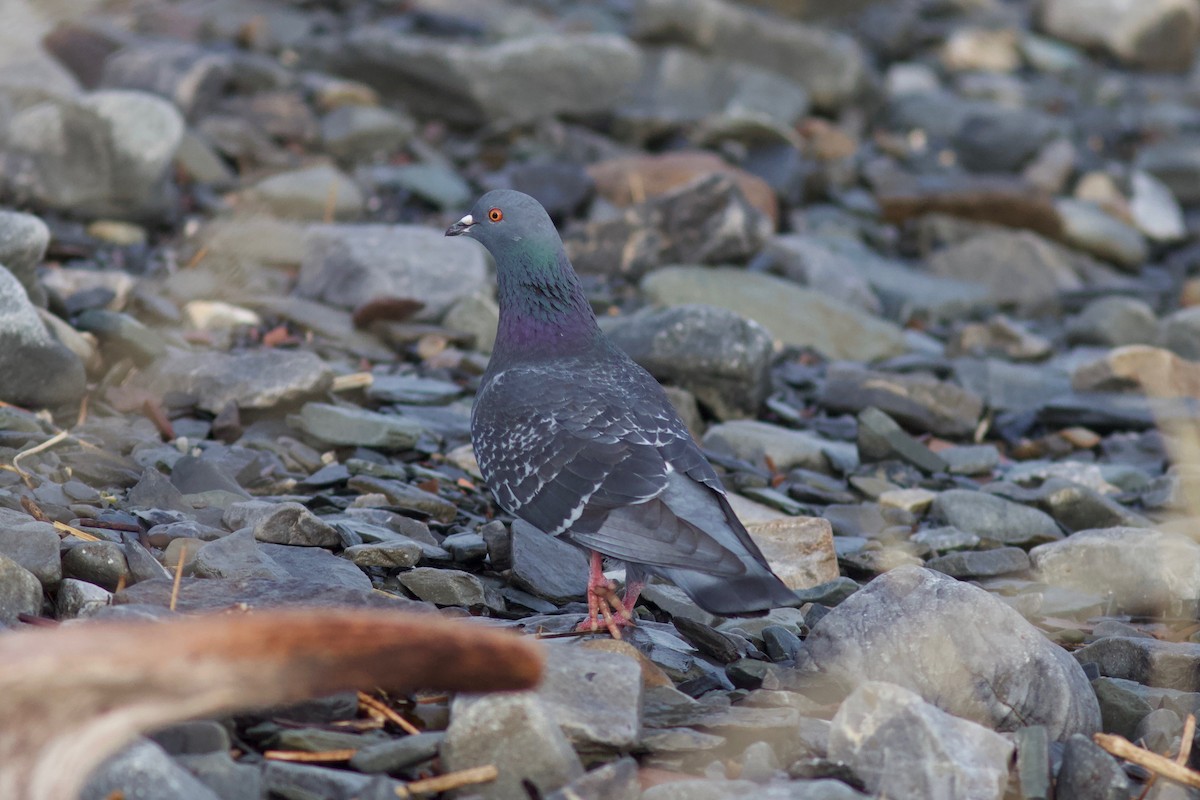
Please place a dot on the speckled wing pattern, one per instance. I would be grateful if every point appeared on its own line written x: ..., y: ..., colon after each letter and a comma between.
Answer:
x: 566, y: 442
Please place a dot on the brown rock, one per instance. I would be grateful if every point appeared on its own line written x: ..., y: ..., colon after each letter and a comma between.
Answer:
x: 1152, y: 370
x: 799, y: 549
x: 634, y: 179
x: 652, y: 674
x: 982, y: 198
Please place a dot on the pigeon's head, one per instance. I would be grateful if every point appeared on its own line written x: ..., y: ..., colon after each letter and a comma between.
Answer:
x: 504, y: 221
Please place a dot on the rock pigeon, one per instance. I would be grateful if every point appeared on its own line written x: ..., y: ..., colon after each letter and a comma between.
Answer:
x: 579, y: 441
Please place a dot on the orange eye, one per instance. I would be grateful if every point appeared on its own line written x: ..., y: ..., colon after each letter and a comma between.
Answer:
x: 495, y: 215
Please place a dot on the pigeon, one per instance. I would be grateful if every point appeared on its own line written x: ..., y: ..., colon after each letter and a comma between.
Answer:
x: 578, y: 440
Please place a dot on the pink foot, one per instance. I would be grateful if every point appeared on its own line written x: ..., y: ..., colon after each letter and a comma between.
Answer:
x: 603, y: 602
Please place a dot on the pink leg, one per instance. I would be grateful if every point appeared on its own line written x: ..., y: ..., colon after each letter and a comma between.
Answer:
x: 603, y: 601
x: 632, y: 591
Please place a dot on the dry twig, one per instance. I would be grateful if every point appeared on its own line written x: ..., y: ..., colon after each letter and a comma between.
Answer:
x: 178, y: 576
x: 377, y: 707
x: 306, y: 757
x: 449, y: 781
x: 1121, y: 747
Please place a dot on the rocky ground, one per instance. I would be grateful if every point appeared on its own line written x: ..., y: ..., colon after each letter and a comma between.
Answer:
x: 923, y: 277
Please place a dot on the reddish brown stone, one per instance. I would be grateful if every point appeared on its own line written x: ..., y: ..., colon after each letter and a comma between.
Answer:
x: 633, y: 179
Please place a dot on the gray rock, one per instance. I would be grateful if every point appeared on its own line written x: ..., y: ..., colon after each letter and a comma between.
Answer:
x: 1012, y: 387
x: 194, y: 737
x: 830, y: 66
x: 398, y: 754
x: 228, y: 779
x: 1122, y: 705
x: 77, y: 598
x: 32, y: 544
x: 595, y: 697
x: 251, y: 379
x: 155, y: 490
x: 706, y: 221
x: 143, y: 566
x: 307, y: 194
x: 1113, y: 322
x: 999, y: 336
x: 815, y: 261
x: 102, y: 563
x: 547, y: 566
x: 448, y: 587
x: 901, y: 746
x: 1079, y: 508
x: 977, y: 459
x: 355, y: 133
x: 107, y: 154
x: 143, y: 769
x: 236, y: 556
x: 411, y: 390
x: 994, y: 519
x: 994, y: 138
x: 1160, y: 730
x: 1089, y: 228
x: 346, y: 425
x: 211, y: 594
x: 436, y: 183
x: 922, y: 403
x: 1142, y: 571
x: 193, y: 78
x: 20, y: 592
x: 679, y: 87
x: 1159, y: 34
x: 711, y: 789
x: 23, y: 242
x: 981, y: 563
x: 1089, y: 773
x: 406, y: 496
x: 751, y: 440
x: 1033, y: 763
x: 1154, y: 209
x: 281, y: 523
x: 1150, y: 662
x: 349, y: 265
x: 315, y: 567
x: 520, y: 80
x: 1180, y: 332
x: 791, y: 314
x: 881, y: 439
x: 718, y: 356
x: 1019, y: 267
x: 516, y: 732
x: 281, y: 779
x: 121, y: 336
x: 616, y: 780
x: 672, y: 600
x: 38, y: 370
x: 955, y: 645
x: 478, y: 315
x: 387, y: 555
x: 1176, y: 163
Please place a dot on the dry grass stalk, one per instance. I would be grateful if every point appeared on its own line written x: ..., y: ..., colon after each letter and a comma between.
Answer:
x: 71, y: 696
x: 178, y: 576
x: 307, y: 757
x: 380, y: 709
x: 451, y: 780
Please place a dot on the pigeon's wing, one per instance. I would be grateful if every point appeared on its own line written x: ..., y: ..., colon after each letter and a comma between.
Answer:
x: 565, y: 448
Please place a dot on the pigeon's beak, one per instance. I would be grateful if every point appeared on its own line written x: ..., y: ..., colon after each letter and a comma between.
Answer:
x: 460, y: 227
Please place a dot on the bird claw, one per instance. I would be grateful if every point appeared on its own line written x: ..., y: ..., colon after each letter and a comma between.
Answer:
x: 603, y: 602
